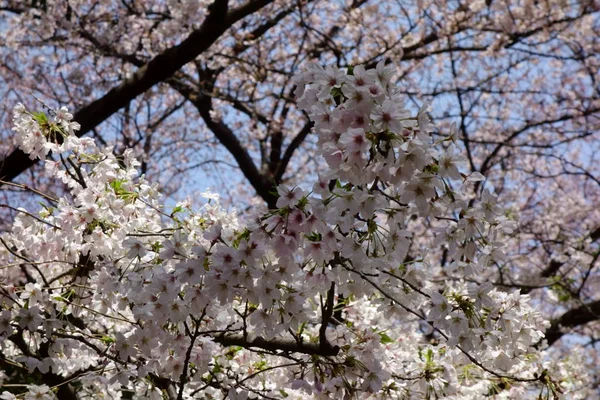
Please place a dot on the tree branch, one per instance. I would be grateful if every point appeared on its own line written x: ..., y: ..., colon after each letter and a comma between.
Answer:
x: 277, y: 344
x: 155, y: 71
x: 576, y: 317
x: 228, y: 139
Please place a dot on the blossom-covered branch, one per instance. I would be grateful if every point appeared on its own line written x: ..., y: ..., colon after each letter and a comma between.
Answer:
x: 147, y: 300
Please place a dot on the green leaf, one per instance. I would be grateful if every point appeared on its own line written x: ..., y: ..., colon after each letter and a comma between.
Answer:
x: 243, y: 235
x: 176, y: 210
x: 562, y: 294
x: 40, y: 117
x: 260, y: 365
x: 384, y: 338
x: 156, y: 246
x: 107, y: 339
x: 314, y: 237
x: 429, y: 356
x: 117, y: 186
x: 336, y: 92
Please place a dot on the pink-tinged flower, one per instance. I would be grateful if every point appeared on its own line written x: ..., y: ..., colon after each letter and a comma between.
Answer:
x: 441, y: 308
x: 270, y: 276
x: 322, y: 117
x: 358, y: 98
x: 390, y: 116
x: 8, y: 396
x: 449, y: 162
x: 234, y: 395
x: 266, y: 292
x: 317, y: 251
x: 321, y: 187
x: 146, y: 340
x: 295, y: 220
x: 31, y: 140
x: 333, y: 156
x: 301, y: 384
x: 420, y: 190
x: 503, y: 361
x: 6, y: 328
x: 253, y: 248
x: 453, y: 134
x: 63, y: 114
x: 383, y: 73
x: 373, y: 382
x: 39, y: 393
x: 330, y: 77
x: 285, y: 244
x: 358, y: 119
x: 481, y: 294
x: 134, y: 248
x: 309, y: 99
x: 489, y: 205
x: 260, y: 319
x: 376, y: 92
x: 424, y: 122
x: 360, y: 77
x: 175, y: 246
x: 30, y: 318
x: 472, y: 223
x: 88, y: 210
x: 288, y: 197
x: 354, y: 140
x: 225, y: 258
x: 32, y: 293
x: 124, y: 347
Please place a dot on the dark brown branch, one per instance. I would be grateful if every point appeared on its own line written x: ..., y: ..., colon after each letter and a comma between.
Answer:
x: 487, y: 163
x: 166, y: 385
x: 548, y: 272
x: 576, y: 317
x: 554, y: 266
x: 228, y: 139
x: 595, y: 234
x: 277, y: 344
x: 188, y: 355
x: 157, y: 70
x: 326, y: 313
x: 289, y: 152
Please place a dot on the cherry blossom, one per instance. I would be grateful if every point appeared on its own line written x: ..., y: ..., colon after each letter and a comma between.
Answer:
x: 323, y: 296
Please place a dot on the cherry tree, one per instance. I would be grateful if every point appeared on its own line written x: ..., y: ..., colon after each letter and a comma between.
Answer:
x: 518, y: 78
x: 315, y: 297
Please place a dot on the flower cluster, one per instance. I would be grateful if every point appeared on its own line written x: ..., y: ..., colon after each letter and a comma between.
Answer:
x: 329, y: 295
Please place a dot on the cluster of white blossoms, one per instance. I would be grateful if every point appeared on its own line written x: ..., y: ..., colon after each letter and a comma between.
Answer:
x: 328, y: 296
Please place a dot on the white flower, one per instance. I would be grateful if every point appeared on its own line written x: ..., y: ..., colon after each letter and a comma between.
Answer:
x: 358, y: 98
x: 6, y: 328
x: 208, y: 194
x: 124, y: 347
x: 30, y: 318
x: 234, y: 395
x: 389, y: 116
x: 441, y: 308
x: 288, y: 197
x: 354, y: 140
x: 449, y: 162
x: 33, y: 293
x: 360, y: 77
x: 174, y: 246
x: 383, y: 73
x: 134, y: 248
x: 39, y: 393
